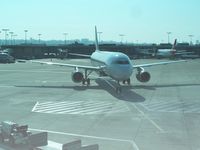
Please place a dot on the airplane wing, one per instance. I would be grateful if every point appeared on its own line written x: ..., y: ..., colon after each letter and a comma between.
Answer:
x: 82, y: 55
x: 70, y: 65
x: 183, y: 53
x: 158, y: 63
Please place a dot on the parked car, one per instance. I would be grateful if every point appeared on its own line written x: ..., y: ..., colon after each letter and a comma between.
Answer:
x: 6, y: 58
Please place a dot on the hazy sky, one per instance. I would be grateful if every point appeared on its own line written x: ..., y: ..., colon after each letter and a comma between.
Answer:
x: 142, y: 20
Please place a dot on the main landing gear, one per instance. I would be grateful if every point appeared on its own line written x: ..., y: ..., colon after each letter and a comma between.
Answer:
x: 86, y: 80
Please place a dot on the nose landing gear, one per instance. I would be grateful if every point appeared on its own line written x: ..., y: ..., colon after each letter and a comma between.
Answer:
x: 118, y: 88
x: 128, y: 81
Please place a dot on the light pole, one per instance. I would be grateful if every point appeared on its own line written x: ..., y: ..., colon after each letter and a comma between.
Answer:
x: 99, y: 33
x: 191, y: 36
x: 0, y: 39
x: 39, y: 37
x: 168, y: 34
x: 15, y: 35
x: 25, y: 40
x: 5, y: 30
x: 121, y: 35
x: 7, y: 38
x: 65, y: 35
x: 11, y: 35
x: 31, y: 40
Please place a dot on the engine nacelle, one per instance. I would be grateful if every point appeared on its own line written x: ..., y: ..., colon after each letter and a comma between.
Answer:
x: 143, y: 76
x: 77, y: 76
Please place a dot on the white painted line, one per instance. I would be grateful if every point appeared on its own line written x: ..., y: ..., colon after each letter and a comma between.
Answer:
x: 78, y: 107
x: 145, y: 107
x: 35, y: 106
x: 169, y: 108
x: 89, y: 136
x: 53, y: 105
x: 33, y: 71
x: 75, y: 103
x: 150, y: 120
x: 41, y: 81
x: 7, y: 86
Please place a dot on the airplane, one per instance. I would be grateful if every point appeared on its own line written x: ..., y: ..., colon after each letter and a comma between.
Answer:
x: 170, y: 53
x: 115, y: 65
x: 144, y: 53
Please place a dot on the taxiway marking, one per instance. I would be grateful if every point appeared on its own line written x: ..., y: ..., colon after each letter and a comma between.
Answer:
x: 173, y: 107
x: 79, y: 107
x: 150, y: 120
x: 34, y: 107
x: 7, y: 86
x: 33, y: 71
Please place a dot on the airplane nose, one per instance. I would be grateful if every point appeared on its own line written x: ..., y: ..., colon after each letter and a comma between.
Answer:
x: 122, y: 73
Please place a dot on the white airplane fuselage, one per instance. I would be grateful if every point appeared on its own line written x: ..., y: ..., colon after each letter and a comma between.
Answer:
x: 171, y: 52
x: 117, y: 65
x: 165, y: 52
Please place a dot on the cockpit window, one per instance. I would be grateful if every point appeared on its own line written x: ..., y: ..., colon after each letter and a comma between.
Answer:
x: 121, y: 62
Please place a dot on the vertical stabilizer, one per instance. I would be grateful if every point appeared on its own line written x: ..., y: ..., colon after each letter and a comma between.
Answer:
x: 173, y: 50
x: 96, y: 40
x: 175, y: 42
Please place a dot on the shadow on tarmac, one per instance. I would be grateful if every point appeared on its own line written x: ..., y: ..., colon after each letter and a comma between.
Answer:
x: 127, y: 93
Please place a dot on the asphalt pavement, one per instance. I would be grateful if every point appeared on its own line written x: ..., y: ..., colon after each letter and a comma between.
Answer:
x: 161, y: 114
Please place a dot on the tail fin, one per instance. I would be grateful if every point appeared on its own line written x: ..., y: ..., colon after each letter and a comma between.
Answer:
x: 173, y: 51
x: 173, y: 46
x: 96, y: 40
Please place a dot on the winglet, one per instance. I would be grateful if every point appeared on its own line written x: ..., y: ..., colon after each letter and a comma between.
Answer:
x: 96, y: 40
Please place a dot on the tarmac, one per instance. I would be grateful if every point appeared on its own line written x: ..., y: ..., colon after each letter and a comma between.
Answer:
x: 161, y: 114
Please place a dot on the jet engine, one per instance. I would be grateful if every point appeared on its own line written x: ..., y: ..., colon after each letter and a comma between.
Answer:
x: 77, y: 76
x: 143, y: 76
